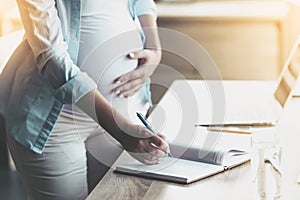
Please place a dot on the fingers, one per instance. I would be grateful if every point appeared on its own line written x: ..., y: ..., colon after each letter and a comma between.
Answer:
x: 138, y: 54
x: 146, y: 158
x: 132, y: 82
x: 161, y: 136
x: 149, y: 158
x: 129, y: 83
x: 150, y: 149
x: 128, y: 89
x: 135, y: 74
x: 160, y: 143
x: 147, y: 146
x: 143, y: 56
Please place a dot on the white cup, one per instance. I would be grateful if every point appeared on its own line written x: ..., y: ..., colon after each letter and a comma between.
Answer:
x: 265, y: 162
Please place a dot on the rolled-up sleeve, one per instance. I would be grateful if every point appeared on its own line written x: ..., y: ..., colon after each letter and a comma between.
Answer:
x: 43, y: 32
x: 145, y: 7
x: 77, y: 83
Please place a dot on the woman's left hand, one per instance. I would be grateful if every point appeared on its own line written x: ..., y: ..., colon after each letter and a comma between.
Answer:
x: 131, y: 82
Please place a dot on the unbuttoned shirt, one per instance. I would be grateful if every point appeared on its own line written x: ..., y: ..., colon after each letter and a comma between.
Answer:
x: 41, y: 75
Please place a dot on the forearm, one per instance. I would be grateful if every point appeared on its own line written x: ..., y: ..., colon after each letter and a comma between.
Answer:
x: 149, y: 25
x: 98, y: 108
x: 137, y: 140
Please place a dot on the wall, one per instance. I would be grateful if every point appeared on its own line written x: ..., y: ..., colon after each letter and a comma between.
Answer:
x: 9, y: 17
x: 246, y: 39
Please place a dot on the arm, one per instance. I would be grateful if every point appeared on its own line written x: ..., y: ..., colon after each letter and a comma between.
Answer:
x: 137, y: 140
x: 149, y: 57
x: 43, y: 32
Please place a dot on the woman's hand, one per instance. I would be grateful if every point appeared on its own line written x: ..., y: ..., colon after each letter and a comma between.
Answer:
x: 144, y: 146
x: 131, y: 82
x: 137, y: 140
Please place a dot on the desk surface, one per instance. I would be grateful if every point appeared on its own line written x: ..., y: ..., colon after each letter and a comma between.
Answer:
x: 232, y: 184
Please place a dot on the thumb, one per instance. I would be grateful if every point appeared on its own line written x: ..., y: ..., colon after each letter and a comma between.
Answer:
x: 137, y: 54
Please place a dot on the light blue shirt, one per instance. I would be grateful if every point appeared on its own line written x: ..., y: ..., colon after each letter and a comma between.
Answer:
x: 41, y: 75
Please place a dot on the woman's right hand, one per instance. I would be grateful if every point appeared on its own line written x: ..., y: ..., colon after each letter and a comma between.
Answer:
x: 144, y: 146
x: 137, y: 140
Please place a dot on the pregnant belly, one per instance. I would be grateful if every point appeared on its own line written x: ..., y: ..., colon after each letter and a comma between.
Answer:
x: 109, y: 60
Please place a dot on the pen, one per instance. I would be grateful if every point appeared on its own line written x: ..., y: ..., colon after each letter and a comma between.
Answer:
x: 148, y: 126
x: 242, y: 125
x: 145, y: 122
x: 226, y: 130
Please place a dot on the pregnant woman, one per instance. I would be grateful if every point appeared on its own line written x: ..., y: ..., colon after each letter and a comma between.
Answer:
x: 109, y: 35
x: 71, y: 80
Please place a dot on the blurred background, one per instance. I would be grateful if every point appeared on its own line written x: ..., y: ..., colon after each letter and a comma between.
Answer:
x: 247, y: 39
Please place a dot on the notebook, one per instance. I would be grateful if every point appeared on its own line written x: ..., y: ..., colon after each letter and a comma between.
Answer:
x: 227, y: 103
x: 174, y: 170
x: 193, y: 162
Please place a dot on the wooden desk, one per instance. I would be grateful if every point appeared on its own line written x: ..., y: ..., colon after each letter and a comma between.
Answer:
x: 234, y: 184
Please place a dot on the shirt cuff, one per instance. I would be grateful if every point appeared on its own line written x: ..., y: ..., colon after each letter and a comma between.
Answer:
x: 75, y: 89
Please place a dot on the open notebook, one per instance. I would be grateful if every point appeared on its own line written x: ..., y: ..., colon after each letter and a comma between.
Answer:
x: 185, y: 171
x: 193, y: 162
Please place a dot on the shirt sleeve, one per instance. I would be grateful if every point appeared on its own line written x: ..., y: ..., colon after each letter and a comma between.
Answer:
x: 145, y: 7
x: 43, y: 32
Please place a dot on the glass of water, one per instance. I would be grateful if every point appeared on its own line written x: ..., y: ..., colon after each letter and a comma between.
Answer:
x: 266, y: 162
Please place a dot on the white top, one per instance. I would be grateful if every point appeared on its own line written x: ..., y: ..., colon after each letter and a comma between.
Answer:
x: 108, y: 34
